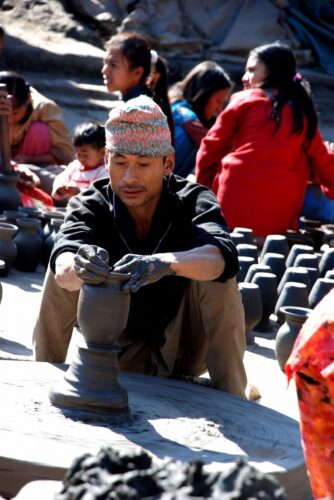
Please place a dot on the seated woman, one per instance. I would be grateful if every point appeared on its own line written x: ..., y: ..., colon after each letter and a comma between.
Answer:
x: 196, y: 101
x: 37, y: 130
x: 258, y: 155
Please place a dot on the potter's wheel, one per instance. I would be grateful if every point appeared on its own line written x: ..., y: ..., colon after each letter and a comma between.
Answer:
x: 168, y: 418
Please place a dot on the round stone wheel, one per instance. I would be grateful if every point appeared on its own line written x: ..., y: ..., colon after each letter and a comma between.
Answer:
x: 168, y: 418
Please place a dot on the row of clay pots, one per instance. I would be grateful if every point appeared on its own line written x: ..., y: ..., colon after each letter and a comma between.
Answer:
x: 274, y: 282
x: 25, y: 240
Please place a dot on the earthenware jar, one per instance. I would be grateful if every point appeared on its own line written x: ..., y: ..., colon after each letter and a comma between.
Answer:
x: 298, y: 274
x: 313, y: 275
x: 293, y: 294
x: 245, y: 249
x: 29, y: 244
x: 275, y: 243
x: 256, y: 268
x: 12, y: 215
x: 288, y: 332
x: 47, y: 216
x: 244, y: 263
x: 252, y: 302
x: 276, y: 262
x: 267, y: 283
x: 237, y: 238
x: 10, y: 198
x: 8, y: 249
x: 247, y: 232
x: 307, y: 260
x: 103, y: 310
x: 296, y: 250
x: 326, y: 261
x: 320, y: 288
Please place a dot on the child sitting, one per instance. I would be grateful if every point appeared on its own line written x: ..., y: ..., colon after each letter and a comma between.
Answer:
x: 89, y: 145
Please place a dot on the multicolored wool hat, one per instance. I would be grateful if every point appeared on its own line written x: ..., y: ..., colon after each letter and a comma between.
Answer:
x: 138, y: 127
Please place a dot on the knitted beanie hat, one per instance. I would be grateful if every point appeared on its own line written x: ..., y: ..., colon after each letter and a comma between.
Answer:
x: 138, y: 127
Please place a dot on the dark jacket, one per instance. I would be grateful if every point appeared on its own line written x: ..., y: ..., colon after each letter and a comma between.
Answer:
x: 187, y: 216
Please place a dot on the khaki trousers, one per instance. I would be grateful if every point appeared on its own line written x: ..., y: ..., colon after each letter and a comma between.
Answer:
x: 207, y: 333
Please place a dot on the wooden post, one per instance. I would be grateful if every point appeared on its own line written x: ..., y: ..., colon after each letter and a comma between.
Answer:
x: 4, y: 139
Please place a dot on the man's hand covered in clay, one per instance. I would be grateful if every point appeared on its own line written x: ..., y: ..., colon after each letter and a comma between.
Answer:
x: 91, y: 264
x: 144, y: 269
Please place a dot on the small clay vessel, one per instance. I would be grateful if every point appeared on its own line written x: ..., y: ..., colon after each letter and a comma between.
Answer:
x: 244, y: 264
x: 326, y: 261
x: 296, y: 250
x: 12, y: 215
x: 307, y: 260
x: 245, y: 249
x: 330, y: 274
x: 275, y: 243
x: 252, y: 302
x: 237, y: 238
x: 8, y: 249
x: 47, y: 216
x: 10, y: 198
x: 298, y: 274
x: 29, y: 244
x: 103, y: 310
x: 286, y: 336
x: 247, y: 232
x: 320, y: 288
x: 267, y: 283
x: 293, y: 294
x: 276, y: 262
x: 313, y: 274
x: 256, y: 268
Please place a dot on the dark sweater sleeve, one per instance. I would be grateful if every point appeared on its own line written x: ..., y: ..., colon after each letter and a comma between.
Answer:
x: 208, y: 226
x: 84, y: 222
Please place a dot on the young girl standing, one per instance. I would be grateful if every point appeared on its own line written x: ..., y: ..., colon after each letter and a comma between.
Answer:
x: 258, y: 154
x: 128, y: 63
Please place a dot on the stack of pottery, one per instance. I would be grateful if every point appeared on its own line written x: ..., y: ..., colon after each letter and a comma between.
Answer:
x: 49, y: 241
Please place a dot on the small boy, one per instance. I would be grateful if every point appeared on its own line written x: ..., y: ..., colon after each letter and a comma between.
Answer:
x: 89, y: 145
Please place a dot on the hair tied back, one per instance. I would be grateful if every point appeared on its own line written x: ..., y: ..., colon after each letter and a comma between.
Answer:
x: 298, y: 77
x: 154, y: 57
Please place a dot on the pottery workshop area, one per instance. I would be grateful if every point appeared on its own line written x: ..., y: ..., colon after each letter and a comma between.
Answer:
x: 54, y: 414
x: 85, y: 429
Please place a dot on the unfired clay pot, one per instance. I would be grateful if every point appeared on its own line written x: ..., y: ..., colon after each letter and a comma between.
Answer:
x: 90, y: 385
x: 287, y: 334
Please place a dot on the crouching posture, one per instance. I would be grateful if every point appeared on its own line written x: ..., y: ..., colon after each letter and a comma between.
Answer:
x: 186, y: 314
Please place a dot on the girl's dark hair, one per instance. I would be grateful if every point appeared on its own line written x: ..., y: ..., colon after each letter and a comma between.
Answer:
x: 91, y: 133
x: 201, y: 82
x: 135, y: 48
x: 280, y: 63
x: 16, y: 86
x: 160, y: 91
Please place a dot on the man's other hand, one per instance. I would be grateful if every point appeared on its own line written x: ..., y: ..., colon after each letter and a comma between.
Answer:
x: 65, y: 274
x: 144, y: 269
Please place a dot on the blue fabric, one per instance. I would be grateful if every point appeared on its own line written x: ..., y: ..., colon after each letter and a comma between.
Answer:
x: 317, y: 206
x: 185, y: 147
x: 312, y: 23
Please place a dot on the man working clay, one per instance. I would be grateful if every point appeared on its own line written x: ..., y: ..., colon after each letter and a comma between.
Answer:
x: 186, y: 313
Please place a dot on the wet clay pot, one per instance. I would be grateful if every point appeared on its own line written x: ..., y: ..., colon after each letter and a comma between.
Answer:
x: 8, y: 249
x: 288, y: 332
x: 10, y: 198
x: 90, y: 385
x: 103, y: 310
x: 29, y: 244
